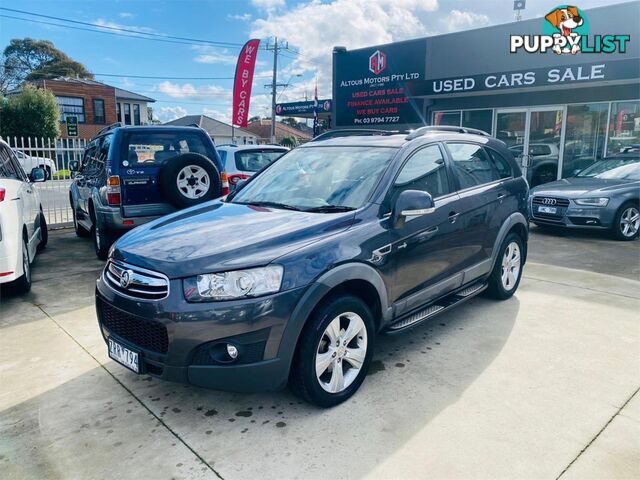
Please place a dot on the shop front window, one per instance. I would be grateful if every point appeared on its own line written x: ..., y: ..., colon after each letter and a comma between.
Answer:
x: 624, y: 126
x: 447, y: 118
x: 584, y: 136
x: 480, y: 119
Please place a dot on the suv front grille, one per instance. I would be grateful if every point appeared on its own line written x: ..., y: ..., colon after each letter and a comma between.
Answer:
x: 135, y: 282
x: 148, y: 334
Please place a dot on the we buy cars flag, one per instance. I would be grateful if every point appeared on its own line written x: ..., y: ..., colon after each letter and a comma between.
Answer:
x: 242, y: 82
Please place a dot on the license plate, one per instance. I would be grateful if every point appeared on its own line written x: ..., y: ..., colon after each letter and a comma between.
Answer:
x: 124, y: 356
x: 550, y: 210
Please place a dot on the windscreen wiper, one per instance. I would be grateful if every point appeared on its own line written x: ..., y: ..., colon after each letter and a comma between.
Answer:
x: 330, y: 209
x: 284, y: 206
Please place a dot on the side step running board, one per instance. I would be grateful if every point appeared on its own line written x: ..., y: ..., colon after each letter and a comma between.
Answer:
x: 441, y: 305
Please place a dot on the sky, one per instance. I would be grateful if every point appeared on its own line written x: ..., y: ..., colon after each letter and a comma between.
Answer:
x: 310, y: 28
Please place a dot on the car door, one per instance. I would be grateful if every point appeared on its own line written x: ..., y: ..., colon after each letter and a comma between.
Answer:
x: 482, y: 192
x: 425, y: 253
x: 18, y: 189
x: 84, y: 176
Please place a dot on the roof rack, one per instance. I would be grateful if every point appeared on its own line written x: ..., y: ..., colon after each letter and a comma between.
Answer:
x: 352, y: 132
x: 419, y: 132
x: 109, y: 128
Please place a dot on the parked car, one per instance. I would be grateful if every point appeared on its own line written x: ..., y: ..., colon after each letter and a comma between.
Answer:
x: 131, y: 175
x: 242, y: 161
x: 290, y: 280
x: 544, y: 161
x: 23, y: 227
x: 28, y: 163
x: 603, y: 196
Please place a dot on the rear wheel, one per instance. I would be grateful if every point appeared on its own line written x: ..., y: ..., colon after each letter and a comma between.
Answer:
x: 44, y: 232
x: 334, y: 352
x: 101, y: 242
x: 627, y: 222
x: 506, y: 274
x: 23, y: 284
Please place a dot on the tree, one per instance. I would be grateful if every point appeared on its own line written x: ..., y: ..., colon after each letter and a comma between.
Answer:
x: 254, y: 119
x: 290, y: 142
x: 292, y: 122
x: 32, y: 113
x: 28, y: 59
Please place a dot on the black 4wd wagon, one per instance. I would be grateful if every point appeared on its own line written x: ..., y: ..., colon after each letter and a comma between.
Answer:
x: 291, y: 277
x: 131, y: 175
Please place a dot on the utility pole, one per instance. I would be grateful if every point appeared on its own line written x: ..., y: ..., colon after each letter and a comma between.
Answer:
x: 276, y: 47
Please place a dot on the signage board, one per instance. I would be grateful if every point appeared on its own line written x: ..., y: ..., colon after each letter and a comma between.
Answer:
x: 370, y: 84
x: 72, y: 126
x: 303, y: 108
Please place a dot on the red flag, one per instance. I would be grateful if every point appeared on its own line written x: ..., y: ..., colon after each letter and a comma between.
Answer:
x: 243, y: 81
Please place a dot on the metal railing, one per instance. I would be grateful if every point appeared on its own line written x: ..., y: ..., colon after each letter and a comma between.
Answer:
x: 54, y: 155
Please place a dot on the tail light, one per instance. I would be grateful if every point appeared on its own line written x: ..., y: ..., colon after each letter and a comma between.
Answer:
x: 225, y: 184
x: 3, y: 192
x: 113, y: 190
x: 234, y: 179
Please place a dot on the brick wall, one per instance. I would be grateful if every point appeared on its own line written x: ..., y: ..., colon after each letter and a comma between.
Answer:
x: 87, y: 92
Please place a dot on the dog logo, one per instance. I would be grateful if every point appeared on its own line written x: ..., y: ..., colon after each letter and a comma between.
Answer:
x: 565, y: 30
x: 377, y: 62
x: 565, y: 21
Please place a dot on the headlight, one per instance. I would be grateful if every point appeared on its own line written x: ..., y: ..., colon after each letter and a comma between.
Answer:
x: 592, y: 202
x: 252, y: 282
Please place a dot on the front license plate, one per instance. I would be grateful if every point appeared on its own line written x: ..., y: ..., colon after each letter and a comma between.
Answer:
x: 550, y: 210
x: 124, y: 356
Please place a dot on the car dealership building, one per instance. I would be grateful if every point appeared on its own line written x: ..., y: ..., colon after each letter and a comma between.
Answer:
x: 562, y: 110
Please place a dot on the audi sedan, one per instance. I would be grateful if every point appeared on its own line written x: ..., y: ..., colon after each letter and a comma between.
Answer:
x: 604, y: 196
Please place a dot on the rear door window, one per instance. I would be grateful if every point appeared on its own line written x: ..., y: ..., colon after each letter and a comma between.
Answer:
x: 155, y: 148
x: 471, y: 165
x: 255, y: 160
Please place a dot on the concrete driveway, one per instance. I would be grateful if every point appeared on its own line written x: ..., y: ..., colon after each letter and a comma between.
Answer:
x: 541, y: 386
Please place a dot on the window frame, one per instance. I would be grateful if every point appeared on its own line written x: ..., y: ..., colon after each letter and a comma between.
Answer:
x: 457, y: 179
x: 134, y: 107
x: 94, y: 101
x: 63, y: 115
x: 124, y: 114
x: 489, y: 151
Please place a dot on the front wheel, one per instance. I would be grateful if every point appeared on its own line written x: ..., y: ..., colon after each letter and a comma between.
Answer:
x: 507, y: 272
x: 23, y: 284
x: 627, y: 223
x: 101, y: 242
x: 334, y: 352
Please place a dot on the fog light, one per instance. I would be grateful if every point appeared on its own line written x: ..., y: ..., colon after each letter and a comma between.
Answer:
x: 232, y: 351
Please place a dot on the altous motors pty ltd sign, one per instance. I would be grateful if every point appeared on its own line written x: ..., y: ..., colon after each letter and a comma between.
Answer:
x: 370, y: 84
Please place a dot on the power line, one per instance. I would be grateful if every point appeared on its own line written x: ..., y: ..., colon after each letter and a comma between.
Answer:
x: 120, y: 29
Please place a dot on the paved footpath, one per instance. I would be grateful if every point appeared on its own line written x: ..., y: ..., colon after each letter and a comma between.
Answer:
x: 544, y: 385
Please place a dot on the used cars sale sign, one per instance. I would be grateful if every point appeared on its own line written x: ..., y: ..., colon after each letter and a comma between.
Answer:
x: 243, y: 81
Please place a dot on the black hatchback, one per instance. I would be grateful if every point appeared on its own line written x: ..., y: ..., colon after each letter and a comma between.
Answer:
x: 290, y: 278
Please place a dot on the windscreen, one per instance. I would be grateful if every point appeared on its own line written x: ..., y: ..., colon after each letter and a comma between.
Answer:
x: 614, y: 168
x: 155, y: 148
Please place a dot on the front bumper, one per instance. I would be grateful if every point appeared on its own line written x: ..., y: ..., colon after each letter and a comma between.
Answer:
x: 193, y: 330
x: 574, y: 216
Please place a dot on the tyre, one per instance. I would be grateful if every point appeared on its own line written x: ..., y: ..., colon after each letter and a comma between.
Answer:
x: 507, y: 272
x: 101, y: 242
x: 334, y: 352
x: 23, y: 284
x: 626, y: 225
x: 190, y: 179
x: 80, y: 230
x: 44, y: 232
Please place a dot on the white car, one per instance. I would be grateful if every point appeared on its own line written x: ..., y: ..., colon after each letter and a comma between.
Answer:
x: 23, y: 228
x: 29, y: 163
x: 242, y: 161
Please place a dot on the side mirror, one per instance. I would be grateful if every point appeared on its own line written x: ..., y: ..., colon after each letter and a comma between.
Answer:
x: 411, y: 203
x: 74, y: 165
x: 38, y: 175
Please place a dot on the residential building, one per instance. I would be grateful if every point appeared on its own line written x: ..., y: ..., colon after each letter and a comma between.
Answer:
x: 219, y: 131
x: 262, y: 129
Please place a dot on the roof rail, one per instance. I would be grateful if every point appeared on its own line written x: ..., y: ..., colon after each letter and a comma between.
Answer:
x: 352, y: 132
x: 419, y: 132
x: 109, y: 128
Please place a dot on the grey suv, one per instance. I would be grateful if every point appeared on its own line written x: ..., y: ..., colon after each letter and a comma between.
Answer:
x: 290, y: 278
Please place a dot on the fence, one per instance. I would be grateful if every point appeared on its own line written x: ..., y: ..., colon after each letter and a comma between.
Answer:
x: 54, y: 155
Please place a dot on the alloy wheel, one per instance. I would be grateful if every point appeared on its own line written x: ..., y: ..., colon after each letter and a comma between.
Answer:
x: 630, y: 222
x: 26, y: 267
x: 511, y: 264
x: 341, y: 352
x: 193, y: 181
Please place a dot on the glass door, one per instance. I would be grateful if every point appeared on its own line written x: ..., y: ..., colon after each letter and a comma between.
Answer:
x: 534, y: 136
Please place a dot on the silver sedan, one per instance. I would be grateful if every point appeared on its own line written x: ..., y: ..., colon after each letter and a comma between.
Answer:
x: 605, y: 196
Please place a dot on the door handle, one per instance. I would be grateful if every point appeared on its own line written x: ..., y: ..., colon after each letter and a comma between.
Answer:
x: 501, y: 197
x: 453, y: 216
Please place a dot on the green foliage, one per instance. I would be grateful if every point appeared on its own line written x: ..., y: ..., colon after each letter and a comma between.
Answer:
x: 28, y: 59
x: 290, y: 142
x: 32, y: 113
